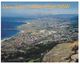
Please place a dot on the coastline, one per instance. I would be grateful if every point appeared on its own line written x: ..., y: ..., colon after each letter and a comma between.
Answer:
x: 20, y: 31
x: 38, y: 38
x: 7, y: 38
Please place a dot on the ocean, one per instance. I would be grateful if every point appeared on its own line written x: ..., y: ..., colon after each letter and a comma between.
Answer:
x: 9, y: 24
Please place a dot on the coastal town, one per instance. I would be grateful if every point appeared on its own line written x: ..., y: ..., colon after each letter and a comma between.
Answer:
x: 37, y: 38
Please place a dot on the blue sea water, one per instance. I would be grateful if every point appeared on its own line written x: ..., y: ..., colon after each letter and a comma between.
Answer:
x: 9, y: 24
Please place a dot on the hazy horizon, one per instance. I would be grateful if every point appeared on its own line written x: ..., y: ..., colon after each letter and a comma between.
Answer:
x: 35, y: 11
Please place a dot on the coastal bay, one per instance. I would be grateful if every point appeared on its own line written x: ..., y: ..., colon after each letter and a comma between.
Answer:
x: 37, y: 38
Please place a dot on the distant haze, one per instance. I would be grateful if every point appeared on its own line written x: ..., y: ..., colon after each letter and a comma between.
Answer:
x: 13, y: 12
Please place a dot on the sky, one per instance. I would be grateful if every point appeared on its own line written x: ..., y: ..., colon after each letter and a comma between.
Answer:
x: 13, y: 12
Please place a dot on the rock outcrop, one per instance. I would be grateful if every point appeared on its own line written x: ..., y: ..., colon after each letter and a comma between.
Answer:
x: 64, y: 52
